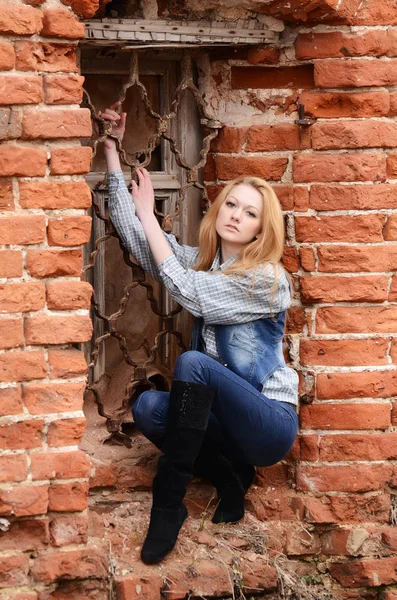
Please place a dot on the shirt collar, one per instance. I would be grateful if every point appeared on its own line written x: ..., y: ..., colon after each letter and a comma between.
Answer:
x: 216, y: 263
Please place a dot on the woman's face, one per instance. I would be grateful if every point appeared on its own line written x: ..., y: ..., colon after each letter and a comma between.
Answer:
x: 239, y: 218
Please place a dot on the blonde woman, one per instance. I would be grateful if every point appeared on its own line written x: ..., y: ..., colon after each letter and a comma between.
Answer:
x: 233, y: 400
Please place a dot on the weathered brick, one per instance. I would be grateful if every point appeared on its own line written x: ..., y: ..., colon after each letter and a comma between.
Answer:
x: 301, y: 198
x: 263, y: 56
x: 47, y: 57
x: 373, y: 13
x: 345, y: 416
x: 10, y: 401
x: 68, y: 497
x: 54, y: 194
x: 390, y: 229
x: 66, y: 363
x: 392, y: 166
x: 54, y: 263
x: 11, y: 333
x: 69, y: 231
x: 336, y: 44
x: 374, y: 384
x: 348, y: 259
x: 229, y: 167
x: 89, y: 562
x: 85, y: 9
x: 29, y: 229
x: 346, y: 509
x: 354, y: 134
x: 60, y: 465
x: 371, y: 446
x: 63, y: 89
x: 268, y: 138
x: 140, y: 588
x: 57, y: 330
x: 290, y: 259
x: 21, y: 90
x: 285, y: 195
x: 21, y: 435
x: 300, y: 77
x: 53, y: 397
x: 308, y: 168
x: 30, y: 534
x: 345, y: 104
x: 6, y: 195
x: 65, y: 432
x: 353, y: 197
x: 24, y: 501
x: 10, y: 124
x: 68, y: 295
x: 393, y: 104
x: 365, y: 572
x: 13, y: 468
x: 22, y: 161
x: 355, y: 73
x: 356, y: 319
x: 343, y: 478
x: 296, y: 320
x: 22, y: 366
x: 22, y: 297
x: 393, y: 289
x: 19, y: 20
x: 344, y: 353
x: 364, y: 288
x: 14, y: 569
x: 70, y: 529
x: 71, y: 161
x: 7, y: 56
x: 53, y: 124
x: 61, y: 23
x: 360, y: 228
x: 11, y: 263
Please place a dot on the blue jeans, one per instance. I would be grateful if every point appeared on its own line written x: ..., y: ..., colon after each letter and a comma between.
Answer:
x: 243, y: 422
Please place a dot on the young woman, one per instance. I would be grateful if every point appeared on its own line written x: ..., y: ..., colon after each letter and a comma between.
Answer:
x: 233, y: 400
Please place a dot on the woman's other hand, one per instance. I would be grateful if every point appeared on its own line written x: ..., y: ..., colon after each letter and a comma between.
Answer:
x: 143, y: 195
x: 117, y: 122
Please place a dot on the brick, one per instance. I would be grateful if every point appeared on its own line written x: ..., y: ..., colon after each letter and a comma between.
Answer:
x: 373, y: 13
x: 229, y: 167
x: 21, y: 435
x: 61, y: 23
x: 19, y: 19
x: 22, y: 229
x: 300, y: 542
x: 66, y: 363
x: 60, y: 465
x: 22, y: 161
x: 354, y: 134
x: 300, y: 77
x: 54, y: 195
x: 361, y: 446
x: 364, y: 288
x: 343, y: 478
x: 53, y: 124
x: 65, y: 432
x: 68, y: 295
x: 140, y: 588
x: 348, y: 259
x: 85, y: 9
x: 308, y: 168
x: 390, y: 229
x: 54, y: 263
x: 345, y: 104
x: 336, y: 44
x: 22, y: 366
x: 290, y: 259
x: 365, y: 572
x: 393, y: 352
x: 301, y: 198
x: 14, y: 570
x: 24, y: 501
x: 393, y: 290
x: 268, y: 138
x: 344, y: 353
x: 393, y: 104
x: 47, y: 57
x: 346, y: 509
x: 11, y: 333
x: 21, y: 90
x: 68, y: 497
x: 89, y: 562
x: 285, y: 195
x: 71, y: 161
x: 353, y: 197
x: 58, y: 330
x: 53, y: 397
x: 230, y: 139
x: 355, y: 73
x: 7, y: 56
x: 30, y: 534
x: 296, y: 320
x: 307, y: 258
x: 63, y: 89
x: 11, y: 263
x: 70, y: 529
x: 6, y: 195
x: 392, y: 39
x: 355, y: 319
x: 345, y: 416
x: 374, y: 384
x: 391, y: 166
x: 263, y: 56
x: 13, y: 468
x: 22, y: 297
x: 10, y: 124
x: 10, y: 401
x: 69, y: 231
x: 361, y: 228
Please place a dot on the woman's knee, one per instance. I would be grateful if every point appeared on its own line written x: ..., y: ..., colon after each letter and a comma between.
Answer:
x: 150, y: 412
x: 188, y: 367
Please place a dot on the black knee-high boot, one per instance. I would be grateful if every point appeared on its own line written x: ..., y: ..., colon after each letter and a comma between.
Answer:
x: 188, y: 414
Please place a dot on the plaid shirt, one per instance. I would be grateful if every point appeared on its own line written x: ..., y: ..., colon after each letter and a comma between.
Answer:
x: 218, y: 298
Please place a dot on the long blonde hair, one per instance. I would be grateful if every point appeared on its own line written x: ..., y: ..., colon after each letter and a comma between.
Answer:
x: 266, y: 248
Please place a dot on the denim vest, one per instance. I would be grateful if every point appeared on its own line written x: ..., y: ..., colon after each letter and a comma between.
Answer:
x: 252, y: 350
